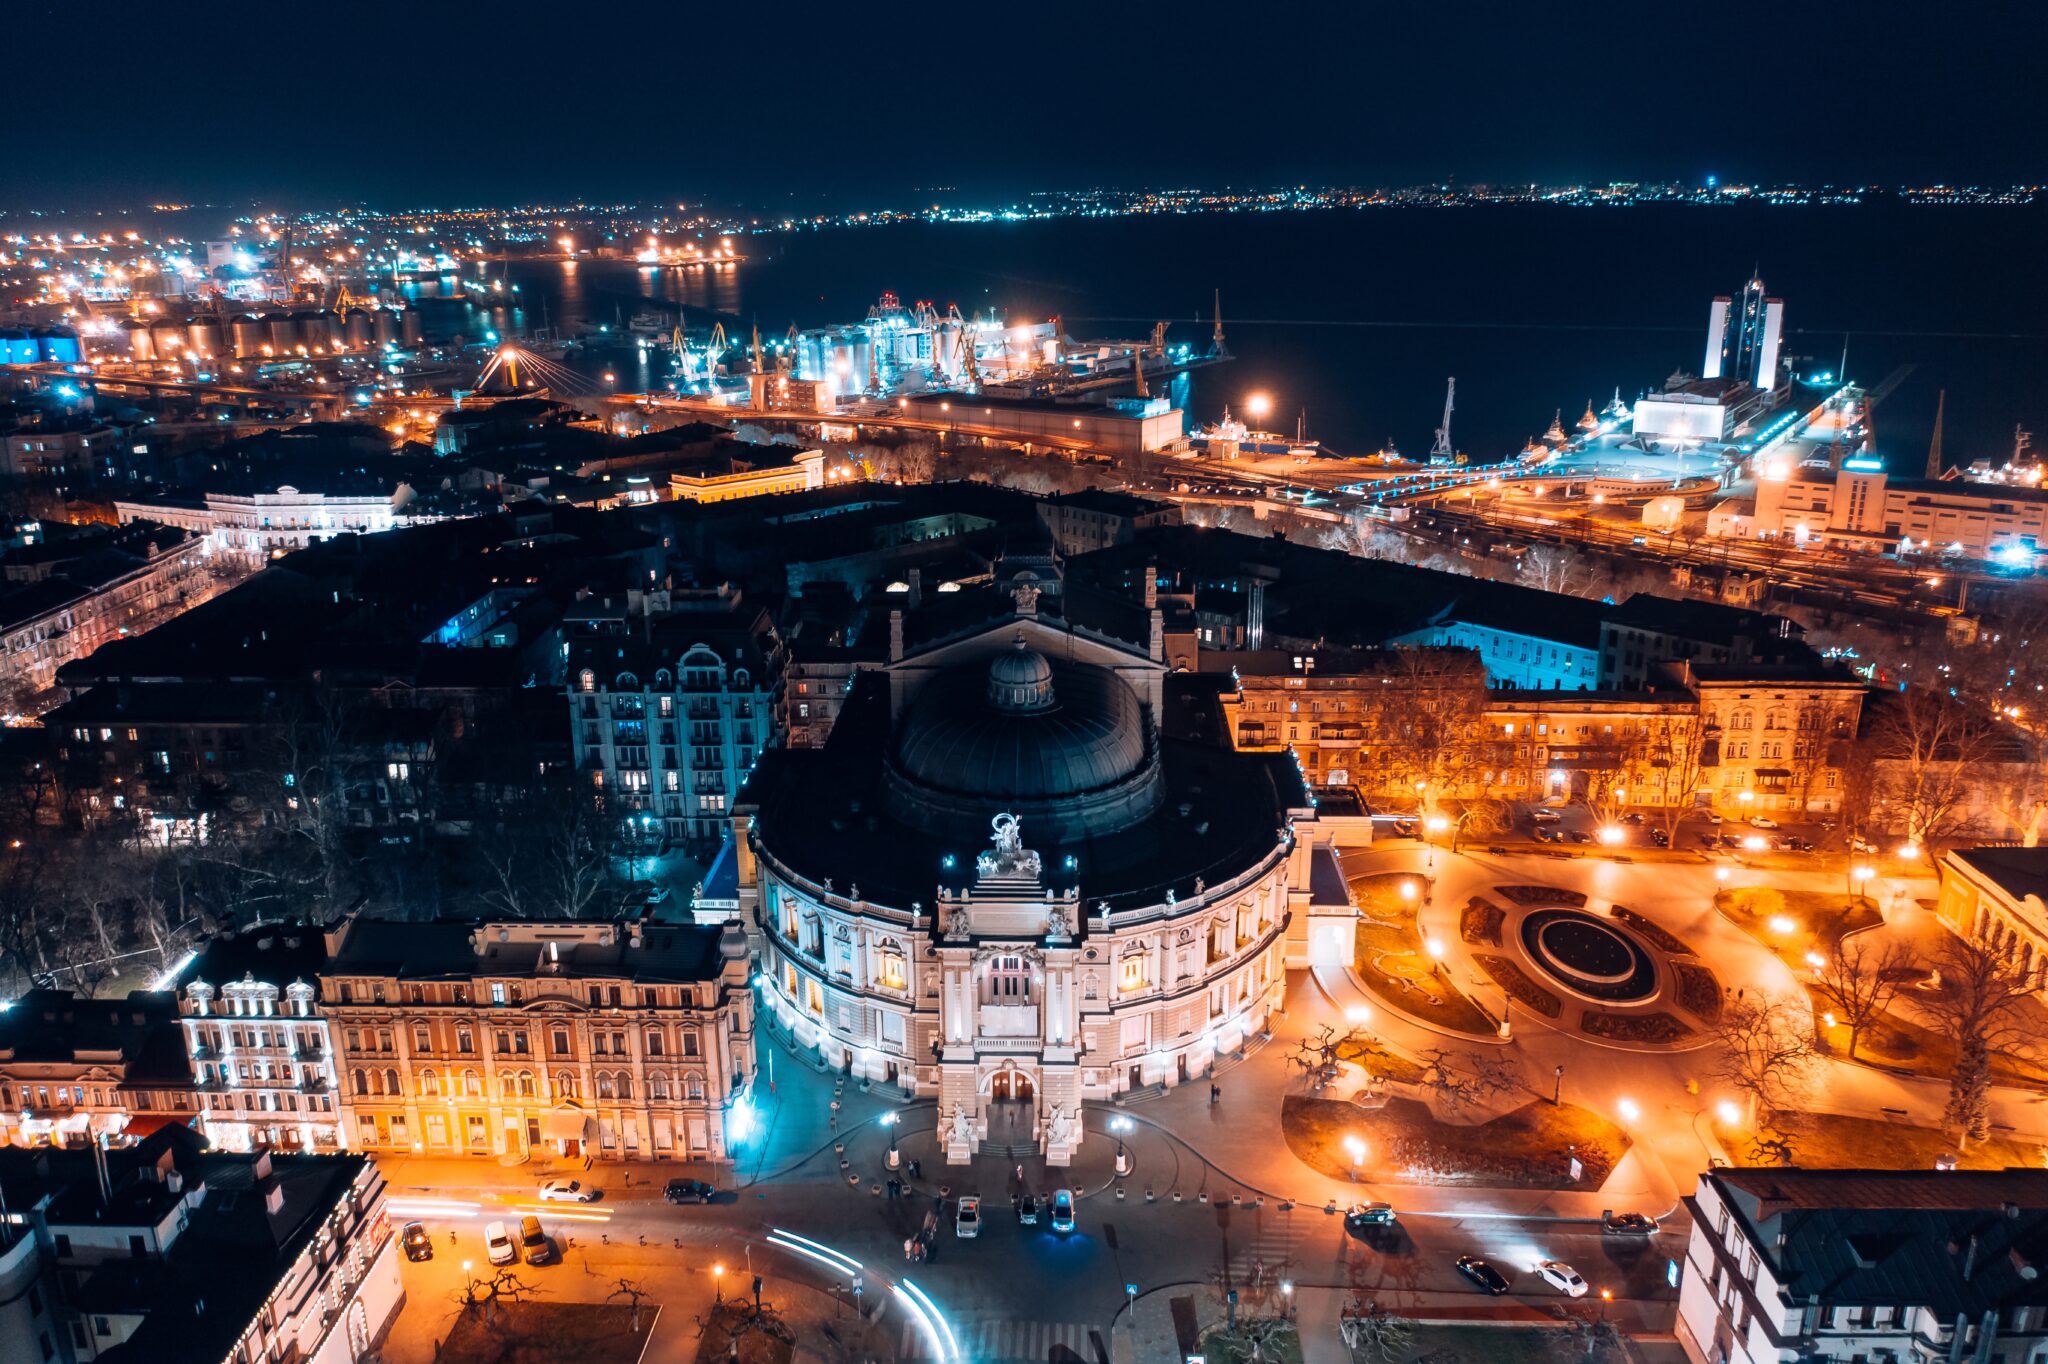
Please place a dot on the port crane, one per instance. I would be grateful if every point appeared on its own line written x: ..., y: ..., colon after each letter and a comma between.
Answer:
x: 1441, y: 448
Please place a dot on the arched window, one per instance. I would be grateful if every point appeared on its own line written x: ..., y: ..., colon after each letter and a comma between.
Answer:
x: 587, y: 680
x: 625, y: 1080
x: 604, y: 1085
x: 362, y: 1082
x: 892, y: 965
x: 657, y: 1084
x: 390, y: 1080
x: 693, y: 1087
x: 472, y: 1084
x: 430, y: 1084
x: 1136, y: 971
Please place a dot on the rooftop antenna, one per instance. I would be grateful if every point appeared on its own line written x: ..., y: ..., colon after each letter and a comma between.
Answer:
x: 1442, y: 447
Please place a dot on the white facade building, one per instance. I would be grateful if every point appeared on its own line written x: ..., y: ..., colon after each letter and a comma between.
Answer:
x: 1004, y: 883
x: 274, y: 522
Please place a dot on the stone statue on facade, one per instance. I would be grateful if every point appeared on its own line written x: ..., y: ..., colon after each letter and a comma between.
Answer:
x: 1009, y: 856
x: 1057, y: 1126
x: 958, y: 923
x: 963, y: 1126
x: 1058, y: 924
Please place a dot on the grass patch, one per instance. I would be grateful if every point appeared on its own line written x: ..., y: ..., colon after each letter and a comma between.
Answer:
x: 1529, y: 1148
x: 543, y: 1333
x: 1792, y: 923
x: 1543, y: 895
x: 1393, y: 966
x: 1830, y: 1141
x: 1667, y: 942
x: 1656, y: 1027
x: 1446, y: 1344
x: 728, y: 1321
x: 1481, y: 922
x: 1509, y: 975
x: 1898, y: 1043
x: 1224, y: 1350
x: 1699, y: 990
x: 1378, y: 1061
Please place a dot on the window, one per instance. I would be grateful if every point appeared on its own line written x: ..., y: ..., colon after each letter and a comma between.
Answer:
x: 1135, y: 974
x: 1009, y: 980
x: 654, y: 1043
x: 689, y: 1044
x: 430, y: 1084
x: 558, y: 1042
x: 892, y: 965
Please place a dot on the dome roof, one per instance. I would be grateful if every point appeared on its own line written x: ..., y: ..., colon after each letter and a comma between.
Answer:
x: 1069, y: 745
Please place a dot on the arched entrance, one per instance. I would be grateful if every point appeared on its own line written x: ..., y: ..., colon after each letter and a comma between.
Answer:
x: 1012, y: 1097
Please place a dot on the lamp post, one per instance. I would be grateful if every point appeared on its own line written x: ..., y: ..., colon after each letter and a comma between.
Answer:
x: 1121, y: 1125
x: 895, y: 1156
x: 1435, y: 948
x: 718, y: 1283
x: 1287, y: 1298
x: 1356, y: 1147
x: 1557, y: 1084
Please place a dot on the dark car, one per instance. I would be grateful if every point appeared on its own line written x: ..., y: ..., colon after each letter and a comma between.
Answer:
x: 1660, y: 838
x: 1027, y: 1210
x: 1628, y: 1224
x: 418, y: 1245
x: 1798, y: 844
x: 1548, y: 836
x: 689, y: 1191
x: 1488, y: 1278
x: 1578, y: 836
x: 1361, y: 1218
x: 1632, y: 817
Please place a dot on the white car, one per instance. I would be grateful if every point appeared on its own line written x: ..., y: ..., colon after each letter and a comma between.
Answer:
x: 1762, y: 822
x: 1562, y: 1277
x: 498, y: 1244
x: 967, y: 1222
x: 566, y: 1191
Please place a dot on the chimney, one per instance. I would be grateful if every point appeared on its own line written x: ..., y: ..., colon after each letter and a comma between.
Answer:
x: 273, y: 1197
x: 895, y: 636
x: 1151, y: 586
x: 1157, y: 645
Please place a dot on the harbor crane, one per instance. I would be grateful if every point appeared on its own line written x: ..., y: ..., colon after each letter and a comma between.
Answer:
x: 1441, y: 449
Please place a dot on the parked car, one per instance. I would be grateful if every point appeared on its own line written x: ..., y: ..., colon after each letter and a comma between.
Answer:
x: 1488, y: 1278
x: 967, y: 1221
x: 534, y: 1242
x: 1632, y: 817
x: 1578, y: 835
x: 689, y: 1191
x: 1498, y: 850
x: 1063, y: 1210
x: 1549, y: 836
x: 1858, y: 843
x: 1562, y: 1277
x: 566, y: 1191
x: 418, y: 1244
x: 1628, y: 1224
x: 498, y: 1247
x: 1660, y: 838
x: 1713, y: 818
x: 1762, y: 822
x: 1798, y: 844
x: 1027, y: 1211
x: 1361, y: 1216
x: 1544, y: 817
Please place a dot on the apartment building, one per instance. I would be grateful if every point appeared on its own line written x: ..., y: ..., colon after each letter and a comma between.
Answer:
x: 617, y: 1040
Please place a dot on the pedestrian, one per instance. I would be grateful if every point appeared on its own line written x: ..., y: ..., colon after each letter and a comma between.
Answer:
x: 1020, y: 1173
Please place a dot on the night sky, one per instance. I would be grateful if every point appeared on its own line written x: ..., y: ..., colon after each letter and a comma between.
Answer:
x: 793, y: 104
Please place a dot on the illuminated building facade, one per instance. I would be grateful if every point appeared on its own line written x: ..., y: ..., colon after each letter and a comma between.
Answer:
x: 75, y: 1070
x: 261, y: 1051
x: 1861, y: 507
x: 615, y: 1040
x: 1022, y: 875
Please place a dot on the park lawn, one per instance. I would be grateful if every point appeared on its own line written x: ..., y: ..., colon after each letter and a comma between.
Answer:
x: 1446, y: 1344
x: 1819, y: 920
x: 1379, y: 1062
x: 545, y: 1333
x: 1831, y: 1141
x: 1528, y: 1148
x: 1392, y: 964
x: 1218, y: 1350
x: 1900, y: 1044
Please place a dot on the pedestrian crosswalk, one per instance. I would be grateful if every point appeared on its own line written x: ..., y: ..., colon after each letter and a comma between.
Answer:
x: 1269, y: 1254
x: 1008, y: 1342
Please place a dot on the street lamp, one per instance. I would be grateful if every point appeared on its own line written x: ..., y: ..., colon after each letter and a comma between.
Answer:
x: 1557, y: 1084
x: 1258, y: 405
x: 1629, y: 1109
x: 718, y: 1283
x: 1435, y: 948
x: 1287, y: 1297
x: 1356, y: 1146
x: 895, y: 1156
x: 1859, y: 877
x: 1121, y: 1125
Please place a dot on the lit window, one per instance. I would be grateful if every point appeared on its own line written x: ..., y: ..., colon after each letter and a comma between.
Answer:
x: 1134, y: 972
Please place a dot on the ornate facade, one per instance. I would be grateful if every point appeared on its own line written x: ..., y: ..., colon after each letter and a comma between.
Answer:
x: 618, y: 1040
x: 1017, y: 884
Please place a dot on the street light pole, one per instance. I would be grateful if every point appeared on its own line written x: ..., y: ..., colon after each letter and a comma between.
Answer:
x: 1557, y: 1084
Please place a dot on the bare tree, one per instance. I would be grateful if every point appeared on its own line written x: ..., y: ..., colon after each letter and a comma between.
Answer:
x: 1929, y: 748
x: 1554, y: 568
x: 1318, y: 1057
x: 1767, y: 1050
x: 1255, y: 1340
x: 1980, y: 1004
x: 1371, y: 1331
x: 1462, y: 1079
x: 1432, y: 736
x: 1860, y: 980
x: 1674, y: 750
x: 483, y: 1295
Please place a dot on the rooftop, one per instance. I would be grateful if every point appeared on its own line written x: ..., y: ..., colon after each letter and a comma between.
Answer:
x: 2017, y: 871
